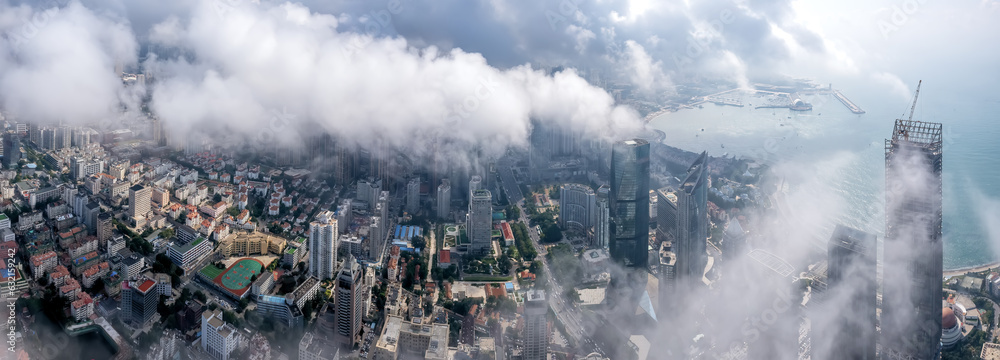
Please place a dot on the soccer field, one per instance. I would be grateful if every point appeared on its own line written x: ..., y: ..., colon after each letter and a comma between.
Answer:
x: 211, y: 272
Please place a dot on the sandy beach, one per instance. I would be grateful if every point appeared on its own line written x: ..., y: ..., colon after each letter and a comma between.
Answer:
x: 962, y: 271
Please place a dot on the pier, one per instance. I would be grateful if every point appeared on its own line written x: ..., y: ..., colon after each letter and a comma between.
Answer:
x: 847, y: 102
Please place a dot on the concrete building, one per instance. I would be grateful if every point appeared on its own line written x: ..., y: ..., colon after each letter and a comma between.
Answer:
x: 630, y: 203
x: 480, y: 222
x: 218, y: 338
x: 105, y: 228
x: 11, y: 149
x: 349, y: 300
x: 368, y: 192
x: 692, y: 223
x: 536, y: 327
x: 402, y: 339
x: 910, y: 322
x: 323, y: 245
x: 139, y: 300
x: 666, y: 214
x: 444, y: 199
x: 577, y: 207
x: 475, y: 183
x: 413, y: 195
x: 602, y: 218
x: 190, y: 254
x: 313, y: 347
x: 139, y: 199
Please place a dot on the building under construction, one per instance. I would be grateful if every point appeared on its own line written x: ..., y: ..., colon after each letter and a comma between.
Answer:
x: 912, y: 264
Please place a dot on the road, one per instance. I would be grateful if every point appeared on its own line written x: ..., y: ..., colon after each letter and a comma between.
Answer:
x: 566, y: 314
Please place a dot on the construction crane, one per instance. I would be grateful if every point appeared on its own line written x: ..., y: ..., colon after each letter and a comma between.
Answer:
x: 915, y: 95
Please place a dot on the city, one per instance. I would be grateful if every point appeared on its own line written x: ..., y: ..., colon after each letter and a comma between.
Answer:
x: 264, y: 180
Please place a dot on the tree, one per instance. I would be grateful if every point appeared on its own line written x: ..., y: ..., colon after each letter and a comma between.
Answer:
x: 551, y: 233
x: 419, y: 242
x: 200, y: 296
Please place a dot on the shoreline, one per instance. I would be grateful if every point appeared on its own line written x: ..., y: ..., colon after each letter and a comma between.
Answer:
x: 972, y: 269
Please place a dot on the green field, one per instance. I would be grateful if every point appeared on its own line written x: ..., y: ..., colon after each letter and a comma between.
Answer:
x: 238, y: 276
x: 211, y: 272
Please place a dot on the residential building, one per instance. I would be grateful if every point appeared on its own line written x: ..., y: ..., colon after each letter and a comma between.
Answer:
x: 349, y: 300
x: 444, y: 199
x: 536, y: 328
x: 139, y: 199
x: 413, y: 195
x: 577, y: 207
x: 218, y: 338
x: 323, y: 245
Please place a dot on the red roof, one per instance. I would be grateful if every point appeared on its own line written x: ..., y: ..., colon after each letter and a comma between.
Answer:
x: 146, y: 285
x: 507, y: 233
x: 444, y: 256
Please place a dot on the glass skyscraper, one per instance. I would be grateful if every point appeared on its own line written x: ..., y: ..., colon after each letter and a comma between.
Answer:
x: 630, y: 202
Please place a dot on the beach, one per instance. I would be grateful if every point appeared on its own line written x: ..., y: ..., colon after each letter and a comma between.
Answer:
x: 963, y: 271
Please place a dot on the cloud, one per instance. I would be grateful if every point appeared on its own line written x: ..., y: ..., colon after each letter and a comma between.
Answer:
x: 895, y: 85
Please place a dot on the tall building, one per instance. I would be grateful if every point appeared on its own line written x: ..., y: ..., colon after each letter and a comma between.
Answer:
x: 577, y: 207
x: 368, y: 191
x: 104, y: 228
x: 323, y: 245
x: 349, y: 302
x: 630, y: 203
x: 11, y: 149
x: 139, y: 199
x: 218, y: 338
x: 771, y: 290
x: 666, y: 214
x: 444, y: 199
x: 413, y: 195
x: 692, y: 222
x: 536, y: 326
x: 602, y: 217
x: 139, y: 300
x: 415, y: 339
x: 480, y: 222
x: 850, y: 276
x: 911, y: 294
x: 475, y: 183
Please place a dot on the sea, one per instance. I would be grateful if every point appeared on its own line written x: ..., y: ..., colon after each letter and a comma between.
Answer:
x: 831, y: 135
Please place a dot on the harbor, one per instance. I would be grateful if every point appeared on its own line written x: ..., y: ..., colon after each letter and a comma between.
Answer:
x: 847, y: 102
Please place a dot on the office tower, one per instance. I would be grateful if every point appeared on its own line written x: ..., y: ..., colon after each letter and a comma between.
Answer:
x: 139, y: 299
x: 444, y: 199
x: 692, y: 222
x: 577, y: 207
x: 11, y: 149
x: 218, y: 338
x: 851, y: 278
x: 139, y: 199
x: 666, y: 215
x: 413, y: 195
x: 323, y: 245
x: 480, y: 223
x: 536, y: 326
x: 911, y: 292
x: 630, y: 203
x: 475, y: 183
x: 602, y: 217
x: 349, y: 300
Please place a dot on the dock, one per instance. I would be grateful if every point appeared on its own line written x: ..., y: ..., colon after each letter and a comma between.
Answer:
x: 847, y: 102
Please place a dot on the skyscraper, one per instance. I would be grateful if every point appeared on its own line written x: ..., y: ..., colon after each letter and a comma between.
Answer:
x: 139, y: 199
x: 577, y: 207
x: 323, y: 245
x: 444, y: 199
x: 413, y: 195
x: 666, y: 215
x: 475, y: 183
x: 349, y: 300
x: 851, y: 276
x: 692, y: 222
x: 602, y: 217
x: 911, y: 294
x: 630, y: 203
x: 139, y: 299
x: 536, y: 326
x: 479, y: 226
x: 11, y: 149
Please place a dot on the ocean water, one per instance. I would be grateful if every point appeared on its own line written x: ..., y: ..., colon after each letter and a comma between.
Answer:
x: 831, y: 134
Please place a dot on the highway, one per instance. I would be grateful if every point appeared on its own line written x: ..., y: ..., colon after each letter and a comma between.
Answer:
x: 566, y: 314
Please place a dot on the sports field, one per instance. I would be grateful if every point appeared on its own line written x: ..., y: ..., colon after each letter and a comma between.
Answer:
x: 236, y: 278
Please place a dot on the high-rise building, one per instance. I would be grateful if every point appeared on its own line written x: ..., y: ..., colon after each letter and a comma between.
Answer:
x: 104, y: 228
x: 475, y: 183
x: 602, y: 217
x: 413, y: 195
x: 139, y: 199
x: 480, y: 223
x: 444, y: 199
x: 11, y: 149
x: 323, y: 245
x: 536, y: 326
x: 349, y: 302
x: 666, y: 214
x: 577, y: 207
x: 218, y: 338
x: 911, y: 290
x: 368, y: 191
x: 48, y: 138
x: 139, y: 299
x: 63, y: 137
x: 401, y: 339
x: 630, y: 203
x: 692, y: 222
x: 851, y: 275
x: 768, y: 279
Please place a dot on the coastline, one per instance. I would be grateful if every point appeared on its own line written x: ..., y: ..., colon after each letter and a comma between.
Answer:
x: 972, y: 269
